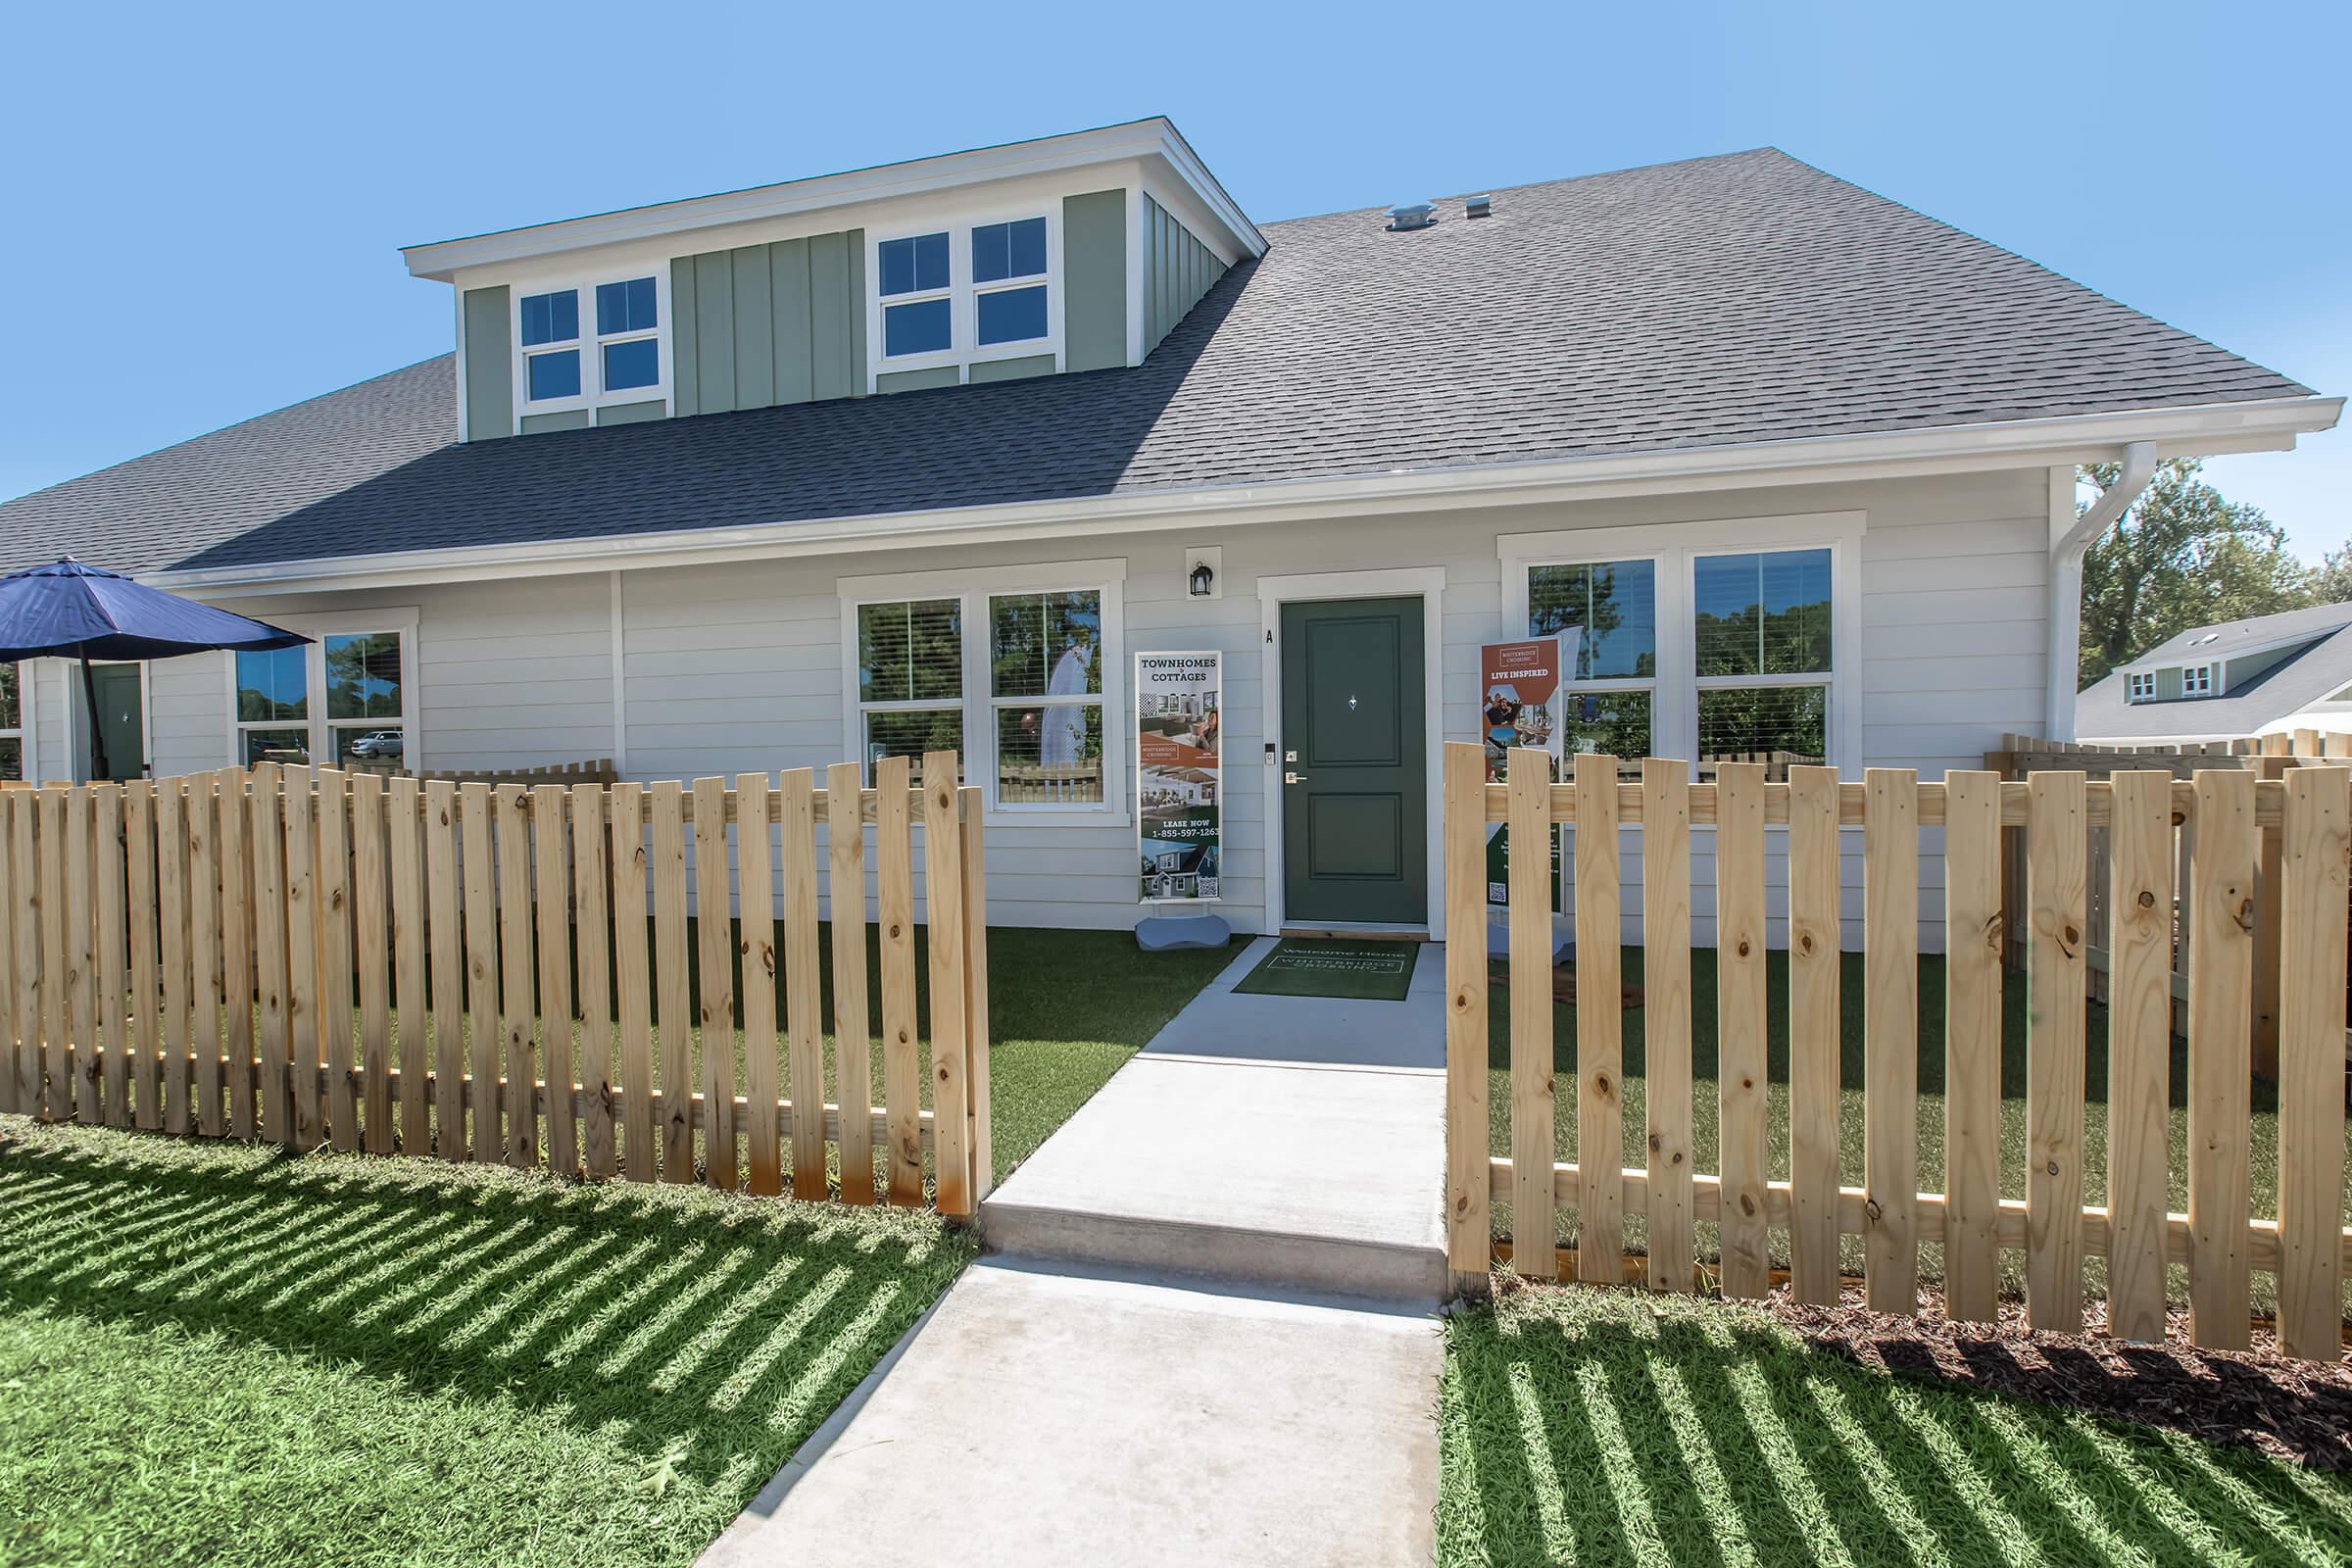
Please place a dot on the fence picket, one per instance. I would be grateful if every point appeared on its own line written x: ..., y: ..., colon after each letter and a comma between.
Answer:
x: 852, y: 1049
x: 267, y: 841
x: 405, y: 853
x: 335, y: 957
x: 2056, y: 849
x: 113, y: 972
x: 551, y: 874
x: 1666, y: 1018
x: 1528, y: 776
x: 756, y: 951
x: 1600, y: 1026
x: 979, y: 1137
x: 10, y: 924
x: 902, y: 1069
x: 372, y: 942
x: 715, y: 941
x: 943, y: 900
x: 592, y: 916
x: 1890, y: 1036
x: 517, y: 1005
x: 673, y: 1004
x: 632, y: 976
x: 1468, y: 1222
x: 2221, y: 997
x: 1973, y: 923
x: 304, y: 1046
x: 81, y: 960
x: 171, y: 909
x: 2139, y: 1049
x: 25, y: 863
x: 1815, y: 952
x: 477, y: 847
x: 2316, y: 844
x: 233, y: 832
x: 446, y: 936
x: 204, y: 952
x: 803, y: 998
x: 1740, y: 1028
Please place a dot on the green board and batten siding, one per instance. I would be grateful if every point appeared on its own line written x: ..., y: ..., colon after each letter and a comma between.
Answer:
x: 1094, y: 306
x: 489, y: 364
x: 763, y: 324
x: 1177, y: 270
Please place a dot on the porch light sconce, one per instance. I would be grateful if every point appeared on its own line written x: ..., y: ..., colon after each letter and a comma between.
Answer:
x: 1202, y: 563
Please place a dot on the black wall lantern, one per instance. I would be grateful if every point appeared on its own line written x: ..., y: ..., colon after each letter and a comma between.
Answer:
x: 1204, y: 581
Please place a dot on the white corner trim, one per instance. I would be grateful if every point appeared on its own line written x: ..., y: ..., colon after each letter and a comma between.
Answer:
x: 1427, y: 584
x: 620, y: 682
x: 1954, y: 449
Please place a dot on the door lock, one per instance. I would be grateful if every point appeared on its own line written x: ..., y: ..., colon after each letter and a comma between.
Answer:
x: 1294, y: 778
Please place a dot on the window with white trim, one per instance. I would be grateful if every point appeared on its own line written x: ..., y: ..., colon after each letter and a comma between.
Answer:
x: 12, y: 721
x: 610, y: 352
x: 1010, y: 676
x: 339, y: 699
x: 964, y: 294
x: 1761, y: 636
x: 2197, y: 680
x: 2140, y: 686
x: 1605, y: 613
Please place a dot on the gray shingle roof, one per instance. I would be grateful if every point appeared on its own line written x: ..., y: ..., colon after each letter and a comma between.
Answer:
x: 1719, y: 301
x: 2320, y: 670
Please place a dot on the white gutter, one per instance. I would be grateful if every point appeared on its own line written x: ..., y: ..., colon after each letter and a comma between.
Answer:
x: 2269, y: 425
x: 2070, y: 540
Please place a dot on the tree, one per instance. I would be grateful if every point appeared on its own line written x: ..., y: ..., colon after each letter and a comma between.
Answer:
x: 2181, y: 556
x: 2331, y: 584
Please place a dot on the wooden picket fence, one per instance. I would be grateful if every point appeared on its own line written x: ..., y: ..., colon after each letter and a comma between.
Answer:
x: 310, y: 957
x: 2057, y: 1224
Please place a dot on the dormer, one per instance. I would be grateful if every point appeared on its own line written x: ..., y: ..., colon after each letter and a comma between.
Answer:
x: 1070, y: 253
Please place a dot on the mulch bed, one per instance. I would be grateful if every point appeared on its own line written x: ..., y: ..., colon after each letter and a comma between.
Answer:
x: 1563, y: 985
x: 2298, y: 1410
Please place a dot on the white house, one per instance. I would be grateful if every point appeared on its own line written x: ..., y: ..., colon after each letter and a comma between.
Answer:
x: 847, y: 466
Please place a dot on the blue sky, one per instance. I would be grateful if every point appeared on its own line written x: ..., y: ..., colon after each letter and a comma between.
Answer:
x: 202, y: 204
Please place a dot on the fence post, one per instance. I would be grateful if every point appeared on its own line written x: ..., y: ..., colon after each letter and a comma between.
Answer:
x: 2267, y: 946
x: 1468, y: 1187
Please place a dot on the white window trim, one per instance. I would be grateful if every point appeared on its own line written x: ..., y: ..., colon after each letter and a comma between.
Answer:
x: 1676, y: 547
x: 972, y: 589
x: 2211, y: 672
x: 590, y: 343
x: 1661, y: 565
x: 400, y: 619
x: 963, y: 349
x: 2139, y: 685
x: 23, y: 731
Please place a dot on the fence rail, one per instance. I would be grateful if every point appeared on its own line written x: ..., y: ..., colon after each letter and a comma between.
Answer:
x: 2057, y: 1224
x: 309, y: 957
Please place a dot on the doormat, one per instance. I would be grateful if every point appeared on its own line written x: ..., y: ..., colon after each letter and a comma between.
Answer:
x: 1334, y: 966
x: 1630, y: 999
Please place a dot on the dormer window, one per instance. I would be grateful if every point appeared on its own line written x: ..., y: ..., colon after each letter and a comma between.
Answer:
x: 581, y: 352
x: 2197, y: 680
x: 2140, y: 686
x: 946, y: 298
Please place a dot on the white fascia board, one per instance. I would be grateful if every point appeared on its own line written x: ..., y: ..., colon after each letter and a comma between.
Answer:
x: 1156, y: 139
x: 1949, y: 449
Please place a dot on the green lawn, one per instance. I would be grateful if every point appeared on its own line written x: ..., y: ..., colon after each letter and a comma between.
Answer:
x: 213, y: 1353
x: 1705, y: 1103
x: 1602, y: 1427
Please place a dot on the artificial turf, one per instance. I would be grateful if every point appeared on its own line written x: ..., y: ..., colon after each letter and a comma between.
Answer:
x: 1609, y: 1427
x: 2263, y: 1141
x: 210, y: 1353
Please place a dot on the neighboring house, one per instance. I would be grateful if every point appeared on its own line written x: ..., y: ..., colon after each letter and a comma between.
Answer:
x: 2272, y: 674
x: 849, y: 465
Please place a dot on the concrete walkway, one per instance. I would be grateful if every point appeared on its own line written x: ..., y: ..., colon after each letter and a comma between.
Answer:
x: 1205, y: 1337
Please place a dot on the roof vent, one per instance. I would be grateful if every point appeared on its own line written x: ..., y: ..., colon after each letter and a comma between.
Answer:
x: 1409, y: 216
x: 1478, y: 207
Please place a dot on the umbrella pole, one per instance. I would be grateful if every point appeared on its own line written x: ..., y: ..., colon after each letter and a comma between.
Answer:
x: 90, y: 696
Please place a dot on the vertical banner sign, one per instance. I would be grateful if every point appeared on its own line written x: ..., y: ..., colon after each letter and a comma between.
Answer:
x: 1519, y: 695
x: 1179, y: 806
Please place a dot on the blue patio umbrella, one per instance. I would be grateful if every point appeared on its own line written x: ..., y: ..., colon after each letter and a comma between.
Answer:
x: 73, y: 610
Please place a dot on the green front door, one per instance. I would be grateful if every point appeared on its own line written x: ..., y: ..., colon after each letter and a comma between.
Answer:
x: 116, y: 687
x: 1356, y: 785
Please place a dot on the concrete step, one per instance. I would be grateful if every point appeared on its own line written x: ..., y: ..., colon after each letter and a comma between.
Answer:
x: 1404, y: 1272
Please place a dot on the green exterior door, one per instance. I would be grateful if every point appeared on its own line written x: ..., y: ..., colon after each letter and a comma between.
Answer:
x: 1355, y: 790
x: 117, y: 691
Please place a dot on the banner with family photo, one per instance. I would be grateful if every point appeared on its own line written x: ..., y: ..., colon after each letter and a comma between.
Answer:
x: 1178, y: 780
x: 1519, y: 697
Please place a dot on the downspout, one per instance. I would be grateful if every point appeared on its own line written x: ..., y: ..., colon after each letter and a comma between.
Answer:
x: 2070, y: 540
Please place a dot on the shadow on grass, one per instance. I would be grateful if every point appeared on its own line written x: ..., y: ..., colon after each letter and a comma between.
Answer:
x: 1601, y: 1426
x: 700, y: 1333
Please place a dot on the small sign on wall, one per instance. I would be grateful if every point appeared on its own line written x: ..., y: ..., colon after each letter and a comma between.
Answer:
x: 1179, y: 780
x: 1519, y: 697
